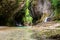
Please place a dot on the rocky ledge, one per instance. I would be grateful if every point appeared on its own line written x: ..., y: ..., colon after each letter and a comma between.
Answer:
x: 27, y: 33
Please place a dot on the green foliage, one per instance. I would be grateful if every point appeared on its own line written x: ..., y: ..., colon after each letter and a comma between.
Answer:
x: 27, y: 3
x: 54, y: 3
x: 27, y: 18
x: 56, y: 8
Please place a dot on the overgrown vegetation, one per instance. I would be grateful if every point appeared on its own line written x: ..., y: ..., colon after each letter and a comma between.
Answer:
x: 56, y: 8
x: 9, y: 9
x: 27, y: 18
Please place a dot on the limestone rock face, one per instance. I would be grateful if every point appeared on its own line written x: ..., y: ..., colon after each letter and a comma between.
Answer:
x: 42, y: 9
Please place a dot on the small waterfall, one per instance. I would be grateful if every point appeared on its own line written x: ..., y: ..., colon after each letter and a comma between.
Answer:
x: 47, y: 9
x: 46, y: 19
x: 18, y: 24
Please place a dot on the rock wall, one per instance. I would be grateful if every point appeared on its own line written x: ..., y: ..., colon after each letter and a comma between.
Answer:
x: 42, y: 9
